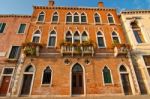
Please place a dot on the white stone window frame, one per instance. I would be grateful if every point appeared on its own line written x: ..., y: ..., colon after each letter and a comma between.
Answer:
x: 39, y: 35
x: 20, y: 27
x: 4, y: 28
x: 117, y: 35
x: 41, y: 13
x: 111, y: 15
x: 65, y: 36
x: 69, y: 14
x: 103, y: 39
x: 85, y: 15
x: 78, y: 15
x: 55, y: 14
x: 53, y: 35
x: 98, y: 15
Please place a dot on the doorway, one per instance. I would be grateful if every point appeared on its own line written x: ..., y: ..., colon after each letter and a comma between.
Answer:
x: 77, y: 80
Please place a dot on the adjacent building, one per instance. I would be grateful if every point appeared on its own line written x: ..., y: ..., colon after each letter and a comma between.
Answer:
x: 136, y: 26
x: 13, y: 30
x: 75, y: 51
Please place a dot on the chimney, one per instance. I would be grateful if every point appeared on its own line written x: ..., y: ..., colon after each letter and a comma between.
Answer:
x: 51, y: 3
x: 100, y: 4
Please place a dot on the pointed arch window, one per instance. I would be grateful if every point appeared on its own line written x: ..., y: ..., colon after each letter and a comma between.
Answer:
x: 97, y: 18
x: 83, y: 18
x: 84, y: 37
x: 123, y: 69
x: 69, y: 18
x: 110, y: 19
x: 52, y: 39
x: 107, y: 75
x: 137, y: 33
x: 76, y: 37
x: 100, y: 39
x: 41, y: 17
x: 68, y: 37
x: 47, y: 76
x: 36, y: 37
x: 55, y: 18
x: 115, y: 38
x: 76, y: 18
x: 29, y: 69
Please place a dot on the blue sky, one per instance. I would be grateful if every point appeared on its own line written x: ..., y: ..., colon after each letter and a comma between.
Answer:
x: 25, y: 6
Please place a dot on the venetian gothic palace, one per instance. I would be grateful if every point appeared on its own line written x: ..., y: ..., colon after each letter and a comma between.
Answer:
x: 74, y: 51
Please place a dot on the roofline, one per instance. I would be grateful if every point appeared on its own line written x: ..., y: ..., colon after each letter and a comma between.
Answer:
x: 75, y: 8
x: 14, y: 15
x: 136, y: 11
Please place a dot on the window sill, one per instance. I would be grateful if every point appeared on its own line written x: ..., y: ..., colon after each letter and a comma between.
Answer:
x: 54, y: 23
x: 40, y: 22
x: 111, y: 23
x: 45, y: 85
x: 108, y: 84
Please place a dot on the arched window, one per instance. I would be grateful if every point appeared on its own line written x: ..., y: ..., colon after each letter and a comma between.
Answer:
x: 52, y: 39
x: 29, y: 69
x: 84, y: 37
x: 123, y: 69
x: 41, y: 17
x: 76, y: 18
x: 107, y: 75
x: 55, y: 18
x: 68, y: 37
x: 115, y: 38
x: 69, y: 18
x: 100, y: 39
x: 97, y: 18
x: 110, y: 19
x: 83, y: 18
x: 36, y: 37
x: 47, y: 76
x: 137, y: 33
x: 76, y: 37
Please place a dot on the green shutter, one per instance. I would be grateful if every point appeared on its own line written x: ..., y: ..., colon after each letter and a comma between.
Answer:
x: 107, y: 76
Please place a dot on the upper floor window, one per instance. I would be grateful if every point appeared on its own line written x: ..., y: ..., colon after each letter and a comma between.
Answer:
x: 137, y: 33
x: 100, y: 39
x: 76, y: 18
x: 68, y: 37
x: 69, y: 18
x: 14, y: 53
x: 41, y: 17
x: 2, y: 27
x: 110, y: 19
x: 36, y: 37
x: 47, y: 76
x: 83, y: 18
x: 97, y: 18
x: 55, y: 18
x: 147, y: 62
x: 52, y: 39
x: 115, y: 38
x: 21, y: 28
x: 76, y: 37
x: 107, y: 75
x: 84, y: 37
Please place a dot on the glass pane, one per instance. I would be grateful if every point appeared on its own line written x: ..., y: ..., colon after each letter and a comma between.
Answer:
x: 97, y: 19
x: 110, y: 19
x: 76, y: 18
x: 22, y: 28
x: 52, y: 41
x: 80, y: 81
x: 116, y: 40
x: 14, y: 52
x: 29, y: 69
x: 122, y: 69
x: 47, y: 76
x: 137, y: 36
x: 36, y: 39
x: 69, y: 18
x: 2, y: 27
x: 55, y: 19
x: 77, y: 68
x: 83, y: 18
x: 8, y: 71
x: 101, y: 42
x: 147, y: 60
x: 41, y: 18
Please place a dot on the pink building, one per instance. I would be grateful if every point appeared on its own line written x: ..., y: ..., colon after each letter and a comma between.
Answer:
x: 13, y: 30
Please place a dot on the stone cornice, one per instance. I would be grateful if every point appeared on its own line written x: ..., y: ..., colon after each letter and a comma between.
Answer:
x: 136, y: 12
x: 15, y: 15
x: 74, y: 8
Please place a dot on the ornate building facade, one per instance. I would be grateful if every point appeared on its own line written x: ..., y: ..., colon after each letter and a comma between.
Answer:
x: 75, y: 51
x: 13, y: 30
x: 136, y: 26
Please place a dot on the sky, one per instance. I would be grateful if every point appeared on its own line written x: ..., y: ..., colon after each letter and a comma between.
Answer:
x: 25, y: 6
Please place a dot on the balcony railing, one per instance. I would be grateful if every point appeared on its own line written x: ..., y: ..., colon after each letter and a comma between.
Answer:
x: 77, y: 50
x: 121, y: 49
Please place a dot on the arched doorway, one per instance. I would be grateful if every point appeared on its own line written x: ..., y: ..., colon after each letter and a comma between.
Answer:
x: 125, y: 80
x: 27, y: 81
x: 77, y: 80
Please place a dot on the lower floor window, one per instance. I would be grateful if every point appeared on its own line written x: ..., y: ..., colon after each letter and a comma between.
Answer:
x: 107, y: 75
x: 14, y: 53
x: 47, y: 76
